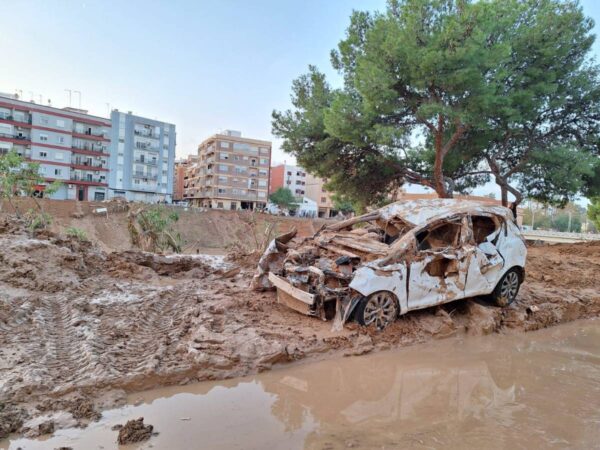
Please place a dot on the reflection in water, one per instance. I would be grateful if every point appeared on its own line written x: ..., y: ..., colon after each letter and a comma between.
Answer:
x: 529, y: 390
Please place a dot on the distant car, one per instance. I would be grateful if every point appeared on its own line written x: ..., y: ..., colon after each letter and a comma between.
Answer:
x: 405, y: 256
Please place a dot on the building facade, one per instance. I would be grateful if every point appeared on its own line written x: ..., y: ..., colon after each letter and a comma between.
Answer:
x: 315, y: 190
x: 70, y: 146
x: 181, y: 166
x: 232, y: 172
x: 142, y: 158
x: 290, y: 177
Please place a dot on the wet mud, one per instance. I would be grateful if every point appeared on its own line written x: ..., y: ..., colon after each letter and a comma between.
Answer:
x: 81, y: 328
x: 521, y: 390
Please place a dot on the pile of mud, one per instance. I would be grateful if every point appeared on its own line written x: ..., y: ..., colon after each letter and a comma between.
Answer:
x: 80, y: 328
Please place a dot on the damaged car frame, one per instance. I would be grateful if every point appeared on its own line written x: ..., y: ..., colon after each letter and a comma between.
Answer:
x: 406, y: 256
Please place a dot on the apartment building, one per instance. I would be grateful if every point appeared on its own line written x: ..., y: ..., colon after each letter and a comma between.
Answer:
x: 315, y: 190
x: 70, y: 145
x: 181, y: 166
x: 291, y: 177
x: 232, y: 172
x: 142, y: 158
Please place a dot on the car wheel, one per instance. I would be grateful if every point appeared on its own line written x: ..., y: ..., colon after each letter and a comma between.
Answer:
x: 507, y: 288
x: 380, y: 309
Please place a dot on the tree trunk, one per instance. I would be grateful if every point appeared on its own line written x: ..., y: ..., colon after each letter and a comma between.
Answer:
x: 438, y: 166
x: 504, y: 195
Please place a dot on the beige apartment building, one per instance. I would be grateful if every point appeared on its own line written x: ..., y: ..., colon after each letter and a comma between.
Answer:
x: 232, y: 172
x: 315, y: 190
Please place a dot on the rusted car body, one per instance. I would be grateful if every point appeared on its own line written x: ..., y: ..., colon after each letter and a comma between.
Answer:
x: 405, y: 256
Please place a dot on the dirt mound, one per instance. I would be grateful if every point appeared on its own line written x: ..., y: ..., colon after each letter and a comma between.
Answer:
x: 134, y: 431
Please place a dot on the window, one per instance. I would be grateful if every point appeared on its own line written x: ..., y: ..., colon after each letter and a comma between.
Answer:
x: 240, y: 169
x: 262, y: 172
x: 224, y: 156
x: 289, y: 174
x: 60, y: 123
x: 44, y: 120
x: 43, y: 137
x: 223, y: 179
x: 439, y: 236
x: 264, y: 161
x: 225, y: 144
x: 59, y: 155
x: 262, y: 194
x: 220, y: 205
x: 262, y: 183
x: 60, y: 139
x: 223, y: 168
x: 221, y: 190
x: 323, y: 200
x: 58, y: 172
x: 43, y: 154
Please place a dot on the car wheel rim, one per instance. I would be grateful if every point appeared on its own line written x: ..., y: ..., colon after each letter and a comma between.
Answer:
x: 510, y: 286
x: 380, y: 310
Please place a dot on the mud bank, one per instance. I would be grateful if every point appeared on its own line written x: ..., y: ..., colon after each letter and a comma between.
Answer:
x: 80, y: 325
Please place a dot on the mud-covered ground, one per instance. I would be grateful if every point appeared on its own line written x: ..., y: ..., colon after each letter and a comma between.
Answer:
x: 79, y: 327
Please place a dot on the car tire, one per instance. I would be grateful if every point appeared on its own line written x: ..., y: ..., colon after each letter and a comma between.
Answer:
x: 507, y: 288
x: 379, y: 309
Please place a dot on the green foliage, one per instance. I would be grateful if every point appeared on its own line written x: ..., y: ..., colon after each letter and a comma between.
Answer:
x: 151, y: 230
x: 37, y: 220
x: 283, y: 198
x: 77, y: 233
x: 344, y: 204
x: 593, y: 212
x: 19, y: 177
x: 449, y: 93
x: 570, y: 218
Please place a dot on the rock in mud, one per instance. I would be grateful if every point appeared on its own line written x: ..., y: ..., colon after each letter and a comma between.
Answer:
x: 135, y: 431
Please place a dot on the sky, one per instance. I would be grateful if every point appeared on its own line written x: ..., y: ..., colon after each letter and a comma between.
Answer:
x: 203, y: 65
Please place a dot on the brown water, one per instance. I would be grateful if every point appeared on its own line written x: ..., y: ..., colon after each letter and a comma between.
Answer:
x: 534, y: 390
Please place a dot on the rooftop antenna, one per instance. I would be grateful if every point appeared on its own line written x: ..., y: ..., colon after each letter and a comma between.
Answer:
x: 32, y: 100
x: 78, y: 92
x: 70, y: 92
x: 40, y: 99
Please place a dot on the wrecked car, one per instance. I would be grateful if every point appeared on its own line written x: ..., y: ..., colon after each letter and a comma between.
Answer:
x: 405, y: 256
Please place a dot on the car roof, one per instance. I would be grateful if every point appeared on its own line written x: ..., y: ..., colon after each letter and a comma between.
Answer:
x: 419, y: 212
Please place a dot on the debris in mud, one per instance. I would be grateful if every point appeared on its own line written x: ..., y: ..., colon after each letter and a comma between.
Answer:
x: 405, y: 256
x: 134, y: 431
x: 11, y: 419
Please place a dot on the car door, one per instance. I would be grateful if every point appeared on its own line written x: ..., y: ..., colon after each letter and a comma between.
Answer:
x: 487, y: 262
x: 438, y: 271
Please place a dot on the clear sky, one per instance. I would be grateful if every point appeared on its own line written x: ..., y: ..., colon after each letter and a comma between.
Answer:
x: 203, y: 65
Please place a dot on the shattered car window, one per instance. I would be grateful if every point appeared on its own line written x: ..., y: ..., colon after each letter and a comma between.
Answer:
x: 444, y: 235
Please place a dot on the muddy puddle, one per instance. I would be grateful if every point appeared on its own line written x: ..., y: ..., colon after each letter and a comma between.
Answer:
x: 539, y: 389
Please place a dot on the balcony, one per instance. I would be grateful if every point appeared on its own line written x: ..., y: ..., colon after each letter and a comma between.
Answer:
x: 147, y: 147
x: 90, y: 148
x: 145, y: 176
x: 11, y: 118
x: 145, y: 161
x: 92, y: 165
x: 17, y: 137
x: 146, y: 134
x: 86, y: 178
